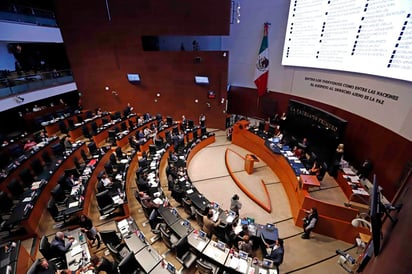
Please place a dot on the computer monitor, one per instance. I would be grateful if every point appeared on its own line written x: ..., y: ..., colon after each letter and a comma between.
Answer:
x: 152, y: 149
x: 185, y: 223
x: 169, y: 120
x: 243, y: 255
x: 203, y: 131
x: 216, y: 206
x: 128, y: 264
x: 202, y: 234
x: 174, y: 211
x: 141, y: 236
x: 221, y: 245
x: 267, y: 263
x: 171, y: 268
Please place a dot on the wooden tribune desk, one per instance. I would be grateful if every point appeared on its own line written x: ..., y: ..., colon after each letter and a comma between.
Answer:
x: 249, y: 160
x: 334, y: 220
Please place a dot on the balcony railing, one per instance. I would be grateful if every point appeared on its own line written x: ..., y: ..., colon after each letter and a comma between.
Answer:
x: 27, y: 15
x: 24, y: 82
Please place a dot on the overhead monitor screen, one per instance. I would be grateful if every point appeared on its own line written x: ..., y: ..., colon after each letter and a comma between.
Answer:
x: 133, y: 77
x: 202, y: 80
x: 372, y: 37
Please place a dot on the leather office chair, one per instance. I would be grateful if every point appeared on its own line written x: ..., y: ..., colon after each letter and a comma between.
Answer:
x: 113, y: 243
x: 37, y: 166
x: 26, y: 177
x: 15, y: 188
x: 188, y: 208
x: 47, y: 251
x: 92, y: 148
x: 79, y: 119
x: 94, y: 128
x: 46, y: 157
x: 89, y: 114
x: 129, y: 265
x: 323, y: 169
x: 108, y: 167
x: 131, y: 125
x: 70, y: 122
x: 199, y: 217
x: 63, y: 127
x: 168, y: 237
x: 86, y: 132
x: 183, y: 254
x: 84, y: 156
x: 105, y: 203
x: 123, y: 126
x: 204, y: 267
x: 119, y: 153
x: 55, y: 213
x: 59, y: 195
x: 79, y: 166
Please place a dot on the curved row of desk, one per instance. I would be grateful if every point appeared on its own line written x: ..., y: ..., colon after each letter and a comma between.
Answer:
x: 334, y: 220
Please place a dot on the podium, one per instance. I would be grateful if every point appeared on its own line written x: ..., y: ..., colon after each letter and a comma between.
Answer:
x: 249, y: 160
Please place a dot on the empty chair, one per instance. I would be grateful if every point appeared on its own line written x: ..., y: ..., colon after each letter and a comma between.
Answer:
x: 129, y: 265
x: 63, y: 183
x: 84, y: 156
x: 183, y: 253
x: 168, y: 238
x: 80, y: 119
x: 58, y: 216
x: 188, y: 208
x: 105, y: 121
x: 123, y: 126
x: 199, y: 217
x: 119, y: 153
x: 112, y: 137
x: 70, y: 122
x: 113, y: 243
x: 108, y: 168
x: 204, y: 267
x: 323, y: 169
x: 26, y: 177
x: 94, y: 129
x: 92, y: 148
x: 105, y: 203
x: 86, y: 133
x: 46, y: 157
x: 58, y: 194
x: 63, y: 127
x: 36, y: 166
x: 131, y: 125
x: 79, y: 166
x: 15, y: 188
x: 57, y: 149
x: 195, y: 135
x: 6, y: 203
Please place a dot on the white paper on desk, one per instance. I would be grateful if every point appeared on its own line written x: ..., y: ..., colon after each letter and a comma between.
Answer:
x: 353, y: 179
x: 348, y: 171
x: 182, y: 179
x: 234, y: 262
x: 119, y: 176
x: 262, y: 271
x: 360, y: 191
x: 273, y: 271
x: 243, y: 266
x: 123, y: 223
x: 158, y: 201
x: 27, y: 199
x: 73, y: 204
x: 76, y: 250
x: 189, y: 191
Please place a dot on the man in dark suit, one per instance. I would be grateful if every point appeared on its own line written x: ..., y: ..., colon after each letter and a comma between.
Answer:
x: 59, y: 246
x: 276, y: 253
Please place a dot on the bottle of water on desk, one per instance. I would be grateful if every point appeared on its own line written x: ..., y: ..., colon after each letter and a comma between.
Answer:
x: 81, y: 238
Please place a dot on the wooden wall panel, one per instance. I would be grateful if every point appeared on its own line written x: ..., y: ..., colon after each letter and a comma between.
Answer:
x: 363, y: 138
x: 102, y: 52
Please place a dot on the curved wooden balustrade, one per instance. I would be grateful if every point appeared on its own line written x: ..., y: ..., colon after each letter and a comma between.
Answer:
x: 266, y: 205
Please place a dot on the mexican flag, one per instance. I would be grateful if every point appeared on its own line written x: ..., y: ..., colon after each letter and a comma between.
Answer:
x: 262, y: 64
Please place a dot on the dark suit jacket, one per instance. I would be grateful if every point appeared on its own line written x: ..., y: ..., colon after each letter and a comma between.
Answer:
x: 276, y: 255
